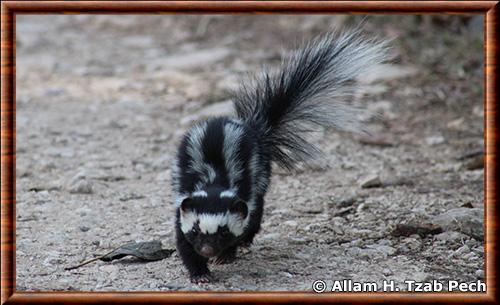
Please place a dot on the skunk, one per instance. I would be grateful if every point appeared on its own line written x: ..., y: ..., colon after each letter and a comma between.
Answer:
x: 223, y: 166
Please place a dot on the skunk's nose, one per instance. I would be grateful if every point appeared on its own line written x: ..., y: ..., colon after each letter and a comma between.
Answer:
x: 207, y: 251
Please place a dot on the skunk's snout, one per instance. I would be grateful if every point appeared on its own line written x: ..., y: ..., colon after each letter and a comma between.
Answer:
x: 207, y: 251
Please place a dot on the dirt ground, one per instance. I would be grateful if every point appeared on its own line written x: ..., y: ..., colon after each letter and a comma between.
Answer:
x: 102, y: 102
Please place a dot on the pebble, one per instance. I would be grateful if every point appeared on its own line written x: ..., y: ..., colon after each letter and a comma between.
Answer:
x: 410, y: 244
x: 479, y: 273
x: 420, y: 229
x: 270, y: 236
x: 451, y: 236
x: 434, y: 140
x: 83, y: 228
x: 298, y: 241
x: 387, y: 272
x: 347, y: 201
x: 291, y: 223
x: 474, y: 163
x: 370, y: 181
x: 465, y: 220
x: 462, y: 250
x: 81, y: 187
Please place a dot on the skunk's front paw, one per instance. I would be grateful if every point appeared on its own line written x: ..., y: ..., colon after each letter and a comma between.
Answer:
x: 225, y: 258
x: 202, y: 279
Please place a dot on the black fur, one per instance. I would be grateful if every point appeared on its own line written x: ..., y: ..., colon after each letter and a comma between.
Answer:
x: 310, y: 89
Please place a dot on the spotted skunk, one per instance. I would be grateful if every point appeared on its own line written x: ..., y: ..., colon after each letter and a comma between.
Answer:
x: 223, y: 165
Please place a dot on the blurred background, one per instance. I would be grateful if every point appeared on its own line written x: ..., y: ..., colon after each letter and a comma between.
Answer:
x: 102, y: 102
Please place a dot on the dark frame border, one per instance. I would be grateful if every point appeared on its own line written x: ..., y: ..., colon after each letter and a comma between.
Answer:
x: 9, y: 10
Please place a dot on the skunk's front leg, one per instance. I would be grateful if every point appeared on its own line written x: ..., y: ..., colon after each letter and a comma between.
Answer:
x: 226, y: 257
x: 195, y: 263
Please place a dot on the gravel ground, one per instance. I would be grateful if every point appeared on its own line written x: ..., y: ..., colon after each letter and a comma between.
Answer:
x: 103, y: 100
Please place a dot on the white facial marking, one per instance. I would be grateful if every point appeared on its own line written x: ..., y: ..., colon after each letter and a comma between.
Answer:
x: 235, y: 224
x: 187, y: 221
x: 210, y: 223
x: 200, y: 193
x: 227, y: 194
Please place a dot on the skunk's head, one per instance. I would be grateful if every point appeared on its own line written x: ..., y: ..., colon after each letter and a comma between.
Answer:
x: 212, y: 221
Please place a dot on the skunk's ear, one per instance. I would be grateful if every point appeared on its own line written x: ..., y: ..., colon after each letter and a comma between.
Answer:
x: 239, y: 207
x: 187, y: 205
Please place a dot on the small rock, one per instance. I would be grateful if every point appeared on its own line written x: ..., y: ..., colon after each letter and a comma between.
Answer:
x: 347, y: 201
x: 83, y: 228
x: 48, y: 187
x: 298, y: 241
x: 465, y: 220
x: 467, y: 205
x: 387, y: 272
x: 344, y: 211
x: 451, y: 236
x: 79, y: 176
x: 270, y: 236
x: 456, y: 124
x: 371, y: 181
x: 376, y: 140
x: 478, y: 111
x: 398, y: 181
x: 132, y: 196
x: 421, y: 230
x: 83, y: 211
x: 434, y: 140
x: 462, y: 250
x: 81, y: 187
x: 480, y: 274
x: 110, y: 178
x: 410, y: 244
x: 474, y: 163
x: 291, y: 223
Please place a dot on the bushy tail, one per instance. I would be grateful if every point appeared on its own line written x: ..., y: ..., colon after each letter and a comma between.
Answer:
x: 310, y: 88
